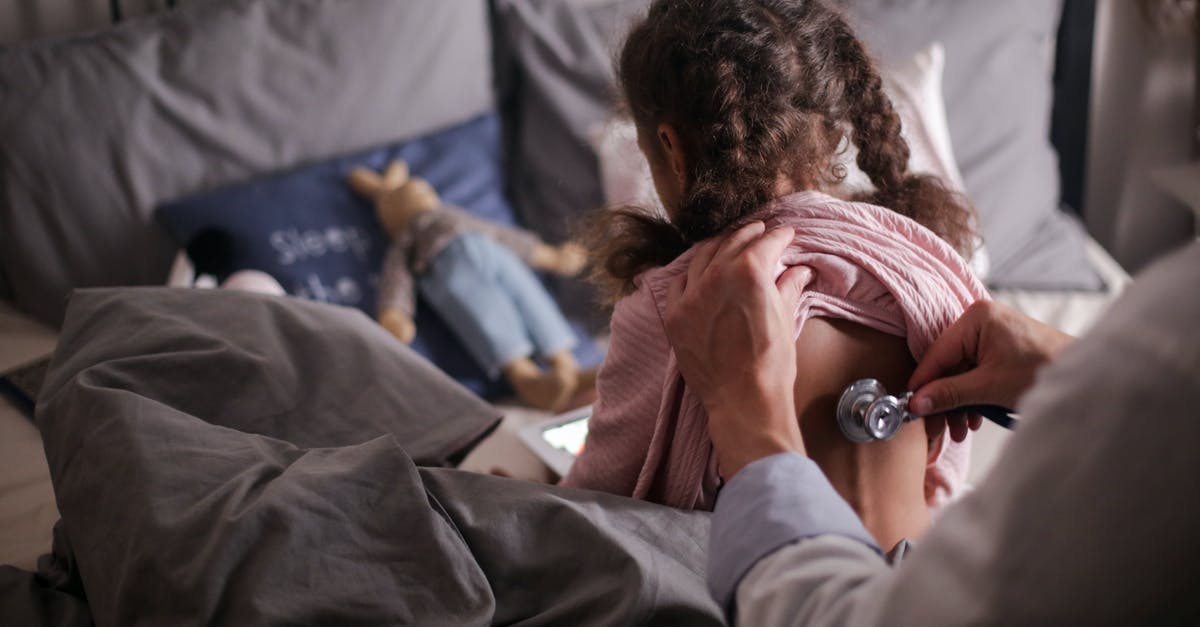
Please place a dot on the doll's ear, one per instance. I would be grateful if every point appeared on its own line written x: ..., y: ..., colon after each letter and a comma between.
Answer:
x: 366, y: 182
x: 395, y: 175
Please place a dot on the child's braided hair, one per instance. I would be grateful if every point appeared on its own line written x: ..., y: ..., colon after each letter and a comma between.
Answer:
x: 758, y: 89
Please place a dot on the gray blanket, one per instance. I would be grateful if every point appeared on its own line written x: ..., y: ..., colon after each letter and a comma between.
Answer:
x: 224, y: 458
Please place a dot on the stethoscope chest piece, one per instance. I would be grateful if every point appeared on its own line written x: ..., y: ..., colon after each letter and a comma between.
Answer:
x: 866, y: 413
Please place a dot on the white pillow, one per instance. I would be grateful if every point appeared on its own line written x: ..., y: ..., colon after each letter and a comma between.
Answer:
x: 624, y: 172
x: 915, y: 88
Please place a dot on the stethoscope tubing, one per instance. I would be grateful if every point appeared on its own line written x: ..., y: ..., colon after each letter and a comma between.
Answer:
x: 998, y: 414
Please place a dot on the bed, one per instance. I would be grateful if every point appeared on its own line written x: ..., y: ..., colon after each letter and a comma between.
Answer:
x: 218, y: 94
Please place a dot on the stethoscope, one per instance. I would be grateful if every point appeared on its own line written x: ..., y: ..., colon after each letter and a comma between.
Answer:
x: 867, y: 413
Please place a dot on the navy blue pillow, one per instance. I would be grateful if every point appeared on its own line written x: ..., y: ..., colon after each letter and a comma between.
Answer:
x: 311, y: 232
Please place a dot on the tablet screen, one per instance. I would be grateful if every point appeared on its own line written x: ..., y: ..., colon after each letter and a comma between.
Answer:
x: 568, y: 436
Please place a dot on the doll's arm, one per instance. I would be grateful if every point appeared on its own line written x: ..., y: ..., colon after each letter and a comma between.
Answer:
x: 397, y: 296
x: 565, y: 260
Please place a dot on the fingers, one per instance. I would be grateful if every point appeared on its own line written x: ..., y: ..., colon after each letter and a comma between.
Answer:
x: 675, y: 290
x: 951, y: 393
x: 762, y: 250
x: 956, y: 424
x: 768, y: 249
x: 957, y: 429
x: 791, y: 285
x: 959, y: 425
x: 934, y: 426
x: 739, y: 241
x: 707, y: 250
x: 953, y: 347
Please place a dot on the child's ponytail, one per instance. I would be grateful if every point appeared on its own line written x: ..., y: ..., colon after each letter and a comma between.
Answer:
x: 624, y: 242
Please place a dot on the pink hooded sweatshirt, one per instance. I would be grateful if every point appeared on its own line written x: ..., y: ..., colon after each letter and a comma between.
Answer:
x: 648, y: 435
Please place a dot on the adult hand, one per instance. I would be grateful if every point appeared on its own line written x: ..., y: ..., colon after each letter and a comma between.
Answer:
x: 732, y: 326
x: 988, y: 356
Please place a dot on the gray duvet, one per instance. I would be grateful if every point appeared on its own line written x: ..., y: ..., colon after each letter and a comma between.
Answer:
x: 224, y: 458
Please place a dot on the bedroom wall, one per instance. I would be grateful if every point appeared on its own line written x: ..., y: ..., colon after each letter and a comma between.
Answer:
x: 1142, y: 99
x: 31, y: 19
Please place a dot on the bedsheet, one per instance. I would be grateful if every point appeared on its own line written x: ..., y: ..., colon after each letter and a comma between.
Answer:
x: 224, y: 458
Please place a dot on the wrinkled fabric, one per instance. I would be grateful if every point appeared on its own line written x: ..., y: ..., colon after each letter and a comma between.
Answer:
x: 648, y: 437
x: 223, y: 458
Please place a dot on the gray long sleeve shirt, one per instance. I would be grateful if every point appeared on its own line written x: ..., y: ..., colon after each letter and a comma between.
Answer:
x: 1091, y: 516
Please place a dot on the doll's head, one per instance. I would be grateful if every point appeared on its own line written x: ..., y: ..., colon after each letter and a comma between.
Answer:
x: 397, y: 206
x: 398, y: 197
x: 738, y: 102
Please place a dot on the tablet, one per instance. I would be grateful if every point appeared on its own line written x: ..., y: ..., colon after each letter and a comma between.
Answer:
x: 559, y: 439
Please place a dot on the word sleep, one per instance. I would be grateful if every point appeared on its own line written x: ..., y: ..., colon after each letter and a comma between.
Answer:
x: 293, y: 245
x: 340, y: 291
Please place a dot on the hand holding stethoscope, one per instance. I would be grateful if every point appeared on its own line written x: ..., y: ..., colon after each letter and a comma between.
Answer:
x: 867, y: 413
x: 743, y: 366
x: 981, y: 365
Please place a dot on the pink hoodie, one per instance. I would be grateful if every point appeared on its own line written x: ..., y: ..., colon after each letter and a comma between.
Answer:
x: 648, y: 435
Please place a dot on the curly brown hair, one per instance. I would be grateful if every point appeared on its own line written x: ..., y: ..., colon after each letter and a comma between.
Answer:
x: 757, y: 90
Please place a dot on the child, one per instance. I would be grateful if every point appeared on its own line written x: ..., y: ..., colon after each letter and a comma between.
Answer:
x: 742, y: 108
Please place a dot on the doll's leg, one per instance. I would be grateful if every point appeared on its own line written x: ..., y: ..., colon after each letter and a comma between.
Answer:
x: 475, y: 308
x: 544, y: 390
x: 465, y: 293
x: 547, y: 327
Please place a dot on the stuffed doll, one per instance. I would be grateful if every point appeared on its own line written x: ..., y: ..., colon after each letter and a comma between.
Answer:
x: 476, y: 275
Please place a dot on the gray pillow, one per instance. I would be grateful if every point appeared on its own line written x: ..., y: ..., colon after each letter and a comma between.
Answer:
x: 556, y: 80
x: 96, y: 130
x: 554, y: 69
x: 998, y: 91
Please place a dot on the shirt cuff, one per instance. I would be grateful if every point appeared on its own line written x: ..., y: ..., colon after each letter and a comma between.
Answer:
x: 769, y: 504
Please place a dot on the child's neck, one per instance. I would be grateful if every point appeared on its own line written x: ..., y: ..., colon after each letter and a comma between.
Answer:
x: 786, y: 186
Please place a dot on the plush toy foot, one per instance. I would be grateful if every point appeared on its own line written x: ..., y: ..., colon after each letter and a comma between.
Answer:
x: 563, y: 363
x: 587, y: 381
x: 585, y: 390
x: 547, y: 391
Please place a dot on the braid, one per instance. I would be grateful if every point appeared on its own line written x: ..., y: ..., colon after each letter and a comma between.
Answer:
x: 732, y: 159
x: 760, y: 92
x: 883, y: 154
